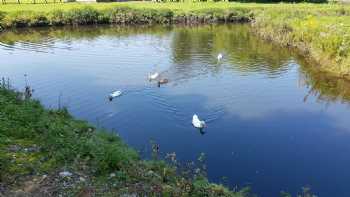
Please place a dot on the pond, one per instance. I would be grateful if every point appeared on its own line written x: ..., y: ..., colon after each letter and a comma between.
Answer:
x: 273, y: 122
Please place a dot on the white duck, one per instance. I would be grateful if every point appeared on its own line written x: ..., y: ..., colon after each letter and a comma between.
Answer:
x: 114, y: 94
x: 153, y: 76
x: 198, y: 123
x: 220, y: 56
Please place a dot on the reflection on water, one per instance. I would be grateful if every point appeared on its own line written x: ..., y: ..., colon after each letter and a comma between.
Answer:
x: 325, y: 88
x: 273, y: 122
x: 245, y: 52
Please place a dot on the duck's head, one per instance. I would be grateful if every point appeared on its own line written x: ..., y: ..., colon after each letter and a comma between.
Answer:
x: 162, y: 81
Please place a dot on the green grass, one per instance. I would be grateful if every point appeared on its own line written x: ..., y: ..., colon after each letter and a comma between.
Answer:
x: 177, y: 7
x: 57, y: 134
x: 320, y: 34
x: 118, y: 15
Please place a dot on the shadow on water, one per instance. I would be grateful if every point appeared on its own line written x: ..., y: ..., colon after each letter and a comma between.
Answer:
x: 267, y: 124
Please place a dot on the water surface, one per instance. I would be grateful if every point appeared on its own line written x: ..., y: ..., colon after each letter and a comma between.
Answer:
x: 273, y: 122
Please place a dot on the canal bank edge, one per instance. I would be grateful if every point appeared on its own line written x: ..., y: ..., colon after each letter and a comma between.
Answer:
x: 320, y: 33
x: 322, y: 37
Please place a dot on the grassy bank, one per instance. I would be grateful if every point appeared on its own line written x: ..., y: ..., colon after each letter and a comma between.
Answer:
x: 320, y: 34
x: 47, y: 152
x: 123, y: 13
x: 319, y: 31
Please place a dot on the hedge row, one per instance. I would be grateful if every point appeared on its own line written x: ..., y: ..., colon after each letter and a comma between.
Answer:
x: 120, y: 15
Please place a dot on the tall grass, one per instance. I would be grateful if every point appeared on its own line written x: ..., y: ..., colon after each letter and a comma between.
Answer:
x: 322, y: 35
x: 119, y: 15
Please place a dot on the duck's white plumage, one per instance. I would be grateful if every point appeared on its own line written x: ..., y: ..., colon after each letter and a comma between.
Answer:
x: 153, y: 76
x: 197, y: 123
x: 115, y: 94
x: 220, y: 56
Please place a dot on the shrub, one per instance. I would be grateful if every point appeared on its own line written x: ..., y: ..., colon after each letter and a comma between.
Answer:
x: 239, y: 15
x: 39, y: 20
x: 123, y: 15
x: 104, y: 17
x: 82, y: 16
x: 57, y: 18
x: 164, y: 16
x: 210, y: 15
x: 2, y: 15
x: 17, y: 19
x: 24, y: 19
